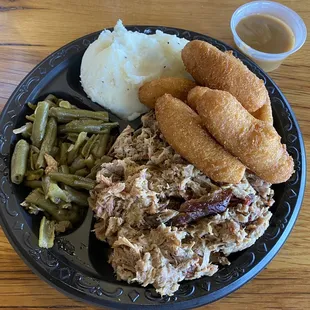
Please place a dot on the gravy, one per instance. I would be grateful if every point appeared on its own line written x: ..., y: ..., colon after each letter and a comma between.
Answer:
x: 266, y: 34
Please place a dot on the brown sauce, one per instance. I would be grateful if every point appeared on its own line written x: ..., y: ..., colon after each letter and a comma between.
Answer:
x: 266, y: 34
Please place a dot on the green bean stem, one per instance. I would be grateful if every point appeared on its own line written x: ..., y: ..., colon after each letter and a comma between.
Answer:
x: 30, y: 118
x: 25, y: 130
x: 51, y: 98
x: 31, y: 106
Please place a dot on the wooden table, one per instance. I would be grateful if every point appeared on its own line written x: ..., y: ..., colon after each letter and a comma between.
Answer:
x: 31, y: 30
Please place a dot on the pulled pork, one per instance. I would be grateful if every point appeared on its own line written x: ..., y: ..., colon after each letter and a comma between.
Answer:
x: 164, y: 219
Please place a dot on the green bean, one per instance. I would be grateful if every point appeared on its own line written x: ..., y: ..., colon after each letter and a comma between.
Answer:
x: 72, y: 215
x: 72, y: 137
x: 66, y: 104
x: 53, y: 191
x: 31, y: 161
x: 34, y: 160
x: 54, y: 151
x: 110, y: 143
x: 33, y: 184
x: 46, y: 233
x: 34, y: 174
x: 31, y: 106
x: 77, y: 197
x: 82, y: 172
x: 91, y: 126
x: 50, y: 103
x: 101, y: 146
x: 39, y: 124
x: 65, y: 115
x: 73, y: 180
x: 32, y: 157
x: 65, y: 205
x: 64, y: 153
x: 37, y: 198
x: 93, y: 172
x: 103, y: 159
x: 25, y: 130
x: 31, y: 208
x: 48, y: 141
x: 106, y: 159
x: 73, y: 153
x: 30, y: 118
x: 19, y: 161
x: 35, y: 149
x: 90, y: 161
x: 60, y: 100
x: 52, y: 164
x: 64, y: 169
x: 78, y: 163
x: 51, y: 98
x: 89, y: 145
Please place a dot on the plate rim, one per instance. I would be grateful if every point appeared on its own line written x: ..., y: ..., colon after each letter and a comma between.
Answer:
x: 198, y: 301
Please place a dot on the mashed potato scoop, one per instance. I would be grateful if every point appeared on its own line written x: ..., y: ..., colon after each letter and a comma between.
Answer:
x: 116, y: 65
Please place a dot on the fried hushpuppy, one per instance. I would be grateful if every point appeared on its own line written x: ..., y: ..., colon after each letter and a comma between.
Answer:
x: 194, y: 95
x: 218, y: 70
x: 256, y: 143
x: 264, y: 113
x: 183, y: 130
x: 175, y: 86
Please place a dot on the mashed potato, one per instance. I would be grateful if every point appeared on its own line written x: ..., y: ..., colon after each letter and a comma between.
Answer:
x: 119, y: 62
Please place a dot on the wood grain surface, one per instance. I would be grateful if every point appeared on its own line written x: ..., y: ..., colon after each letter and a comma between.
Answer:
x: 31, y: 30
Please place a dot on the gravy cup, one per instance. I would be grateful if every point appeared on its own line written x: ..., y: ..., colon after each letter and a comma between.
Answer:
x: 268, y: 61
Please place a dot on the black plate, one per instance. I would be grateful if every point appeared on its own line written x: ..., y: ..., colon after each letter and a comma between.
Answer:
x: 77, y: 264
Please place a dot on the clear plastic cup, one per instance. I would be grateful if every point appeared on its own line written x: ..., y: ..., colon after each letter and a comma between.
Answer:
x: 267, y: 61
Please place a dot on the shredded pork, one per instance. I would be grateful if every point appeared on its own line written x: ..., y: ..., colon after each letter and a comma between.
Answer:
x: 142, y: 192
